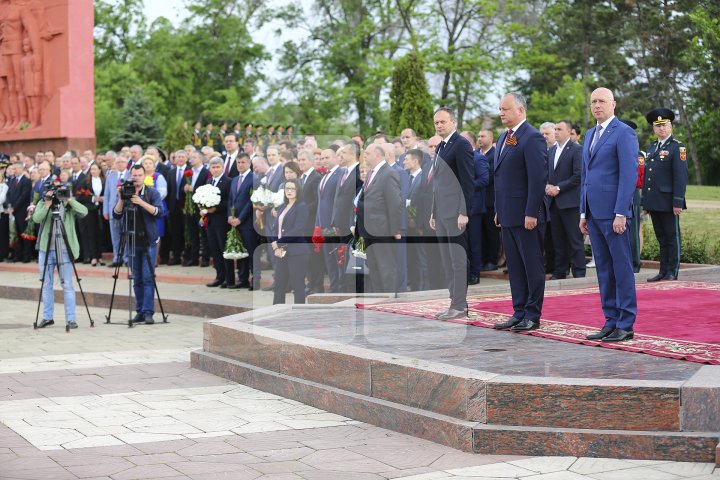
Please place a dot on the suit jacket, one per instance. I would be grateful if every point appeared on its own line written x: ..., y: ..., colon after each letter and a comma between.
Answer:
x: 609, y: 174
x: 163, y: 169
x: 87, y: 199
x: 420, y: 196
x: 240, y: 200
x: 343, y: 208
x: 78, y: 181
x: 452, y: 179
x: 404, y: 177
x: 666, y: 177
x: 19, y: 196
x: 276, y: 179
x: 293, y: 229
x: 218, y: 219
x: 520, y: 177
x: 326, y: 198
x: 172, y: 201
x: 380, y: 205
x: 39, y: 187
x: 490, y: 189
x: 482, y: 179
x: 566, y: 174
x: 111, y: 194
x: 233, y: 166
x: 310, y: 198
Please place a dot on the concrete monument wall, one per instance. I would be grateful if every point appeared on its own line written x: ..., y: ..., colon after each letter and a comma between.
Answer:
x: 46, y: 75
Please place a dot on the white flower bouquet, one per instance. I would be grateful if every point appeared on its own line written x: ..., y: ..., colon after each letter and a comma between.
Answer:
x: 263, y: 196
x: 206, y: 197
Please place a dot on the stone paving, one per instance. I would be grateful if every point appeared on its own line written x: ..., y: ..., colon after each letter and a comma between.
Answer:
x: 123, y: 404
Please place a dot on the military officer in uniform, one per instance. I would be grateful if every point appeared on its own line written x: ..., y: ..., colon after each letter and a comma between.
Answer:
x: 196, y: 137
x: 663, y: 196
x: 636, y: 225
x: 208, y: 139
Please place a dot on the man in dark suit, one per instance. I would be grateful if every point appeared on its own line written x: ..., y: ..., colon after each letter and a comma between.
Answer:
x: 232, y: 149
x: 608, y: 179
x: 45, y: 174
x: 175, y: 200
x: 19, y: 197
x: 379, y: 218
x: 521, y: 211
x: 310, y: 180
x: 199, y: 178
x: 563, y: 189
x: 490, y: 231
x: 343, y: 216
x: 326, y: 200
x: 217, y: 227
x: 240, y: 216
x: 664, y: 190
x: 452, y: 174
x: 474, y: 229
x: 417, y: 261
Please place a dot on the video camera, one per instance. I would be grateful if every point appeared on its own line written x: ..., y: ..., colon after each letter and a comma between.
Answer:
x: 58, y: 191
x: 127, y: 189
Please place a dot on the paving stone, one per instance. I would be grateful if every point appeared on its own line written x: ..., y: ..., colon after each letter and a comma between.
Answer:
x: 638, y: 473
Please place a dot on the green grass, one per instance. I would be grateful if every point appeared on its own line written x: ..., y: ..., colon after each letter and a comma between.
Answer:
x: 702, y: 192
x: 700, y: 237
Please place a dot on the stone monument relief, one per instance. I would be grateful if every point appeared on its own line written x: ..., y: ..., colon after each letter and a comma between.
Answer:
x: 46, y: 74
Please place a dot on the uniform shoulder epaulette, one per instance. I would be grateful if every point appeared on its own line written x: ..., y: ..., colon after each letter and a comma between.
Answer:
x: 675, y: 140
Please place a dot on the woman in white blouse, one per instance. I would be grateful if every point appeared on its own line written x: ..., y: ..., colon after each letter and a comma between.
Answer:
x: 91, y: 193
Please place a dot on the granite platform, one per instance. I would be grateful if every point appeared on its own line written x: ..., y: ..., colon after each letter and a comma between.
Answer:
x: 474, y: 389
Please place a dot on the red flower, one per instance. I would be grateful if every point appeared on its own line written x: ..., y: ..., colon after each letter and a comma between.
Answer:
x: 317, y: 239
x: 341, y: 251
x: 188, y: 173
x: 322, y: 170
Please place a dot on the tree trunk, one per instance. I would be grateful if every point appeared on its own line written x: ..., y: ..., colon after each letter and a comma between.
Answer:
x: 690, y: 141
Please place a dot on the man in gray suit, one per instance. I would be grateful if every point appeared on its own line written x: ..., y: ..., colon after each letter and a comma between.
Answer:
x: 379, y: 215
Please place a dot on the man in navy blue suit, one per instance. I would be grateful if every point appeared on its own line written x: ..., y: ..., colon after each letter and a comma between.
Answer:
x: 609, y: 175
x: 521, y: 211
x: 240, y: 216
x: 452, y: 176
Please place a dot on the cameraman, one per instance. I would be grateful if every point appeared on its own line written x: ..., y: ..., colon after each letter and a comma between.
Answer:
x: 146, y: 239
x: 69, y: 209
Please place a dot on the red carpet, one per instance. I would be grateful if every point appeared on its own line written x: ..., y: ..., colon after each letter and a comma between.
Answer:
x: 675, y: 319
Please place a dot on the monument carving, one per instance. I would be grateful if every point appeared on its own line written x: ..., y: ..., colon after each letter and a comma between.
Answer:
x: 25, y: 80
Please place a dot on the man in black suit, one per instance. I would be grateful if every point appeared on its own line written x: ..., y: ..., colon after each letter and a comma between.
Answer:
x: 490, y: 231
x: 452, y: 174
x: 19, y: 198
x: 563, y: 190
x: 474, y: 229
x: 379, y: 218
x: 176, y: 204
x: 310, y: 180
x: 232, y: 149
x: 520, y: 179
x: 218, y: 226
x: 326, y: 199
x: 199, y: 178
x: 344, y: 210
x: 417, y: 261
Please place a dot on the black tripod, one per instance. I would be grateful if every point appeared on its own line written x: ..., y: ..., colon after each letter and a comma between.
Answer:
x: 128, y: 240
x: 58, y: 236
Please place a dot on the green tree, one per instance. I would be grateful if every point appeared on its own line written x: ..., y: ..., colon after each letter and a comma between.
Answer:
x: 138, y: 125
x: 119, y: 29
x: 410, y: 101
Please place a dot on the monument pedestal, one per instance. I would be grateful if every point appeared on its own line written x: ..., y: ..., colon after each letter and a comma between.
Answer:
x: 54, y: 107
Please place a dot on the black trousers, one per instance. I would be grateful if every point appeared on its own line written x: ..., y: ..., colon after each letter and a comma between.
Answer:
x: 453, y: 253
x: 4, y: 236
x: 89, y: 234
x: 175, y: 241
x: 290, y: 268
x: 192, y: 251
x: 490, y: 237
x: 217, y: 234
x: 667, y: 231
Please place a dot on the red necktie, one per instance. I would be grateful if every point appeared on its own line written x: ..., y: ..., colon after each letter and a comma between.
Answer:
x: 367, y: 180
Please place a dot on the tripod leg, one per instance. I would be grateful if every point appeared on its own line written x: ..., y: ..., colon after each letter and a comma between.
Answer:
x: 155, y: 287
x: 79, y: 280
x: 44, y: 274
x: 116, y: 274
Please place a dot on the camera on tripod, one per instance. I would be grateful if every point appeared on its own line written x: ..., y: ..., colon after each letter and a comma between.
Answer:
x: 127, y: 189
x: 58, y: 191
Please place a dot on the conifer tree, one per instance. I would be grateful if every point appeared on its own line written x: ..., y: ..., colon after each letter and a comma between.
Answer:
x: 410, y: 101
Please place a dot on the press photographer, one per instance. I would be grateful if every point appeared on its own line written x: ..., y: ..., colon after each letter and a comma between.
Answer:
x: 58, y: 203
x: 141, y: 229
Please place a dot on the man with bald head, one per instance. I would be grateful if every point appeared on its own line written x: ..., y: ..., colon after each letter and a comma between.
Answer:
x: 608, y: 179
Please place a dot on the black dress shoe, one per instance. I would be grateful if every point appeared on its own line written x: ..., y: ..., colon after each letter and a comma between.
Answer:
x: 657, y: 278
x: 46, y: 323
x: 604, y: 332
x: 452, y: 314
x: 473, y: 280
x: 214, y: 283
x: 188, y: 263
x: 174, y: 262
x: 511, y: 322
x: 138, y: 318
x: 619, y: 335
x: 205, y: 263
x: 555, y: 277
x: 669, y: 276
x: 223, y: 285
x: 488, y: 267
x: 525, y: 326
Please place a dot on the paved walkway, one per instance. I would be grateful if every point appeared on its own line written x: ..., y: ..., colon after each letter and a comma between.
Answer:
x: 123, y: 404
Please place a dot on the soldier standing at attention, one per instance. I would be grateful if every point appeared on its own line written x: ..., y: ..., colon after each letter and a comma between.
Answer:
x: 666, y: 175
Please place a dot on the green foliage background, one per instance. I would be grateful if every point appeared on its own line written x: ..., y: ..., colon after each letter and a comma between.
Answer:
x: 335, y: 74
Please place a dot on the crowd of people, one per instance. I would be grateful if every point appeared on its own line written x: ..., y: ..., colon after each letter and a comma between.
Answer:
x: 378, y: 214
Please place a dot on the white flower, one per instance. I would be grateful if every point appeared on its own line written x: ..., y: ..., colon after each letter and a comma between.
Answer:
x: 408, y: 202
x: 207, y: 196
x: 235, y: 255
x: 262, y: 195
x: 278, y: 198
x: 359, y: 254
